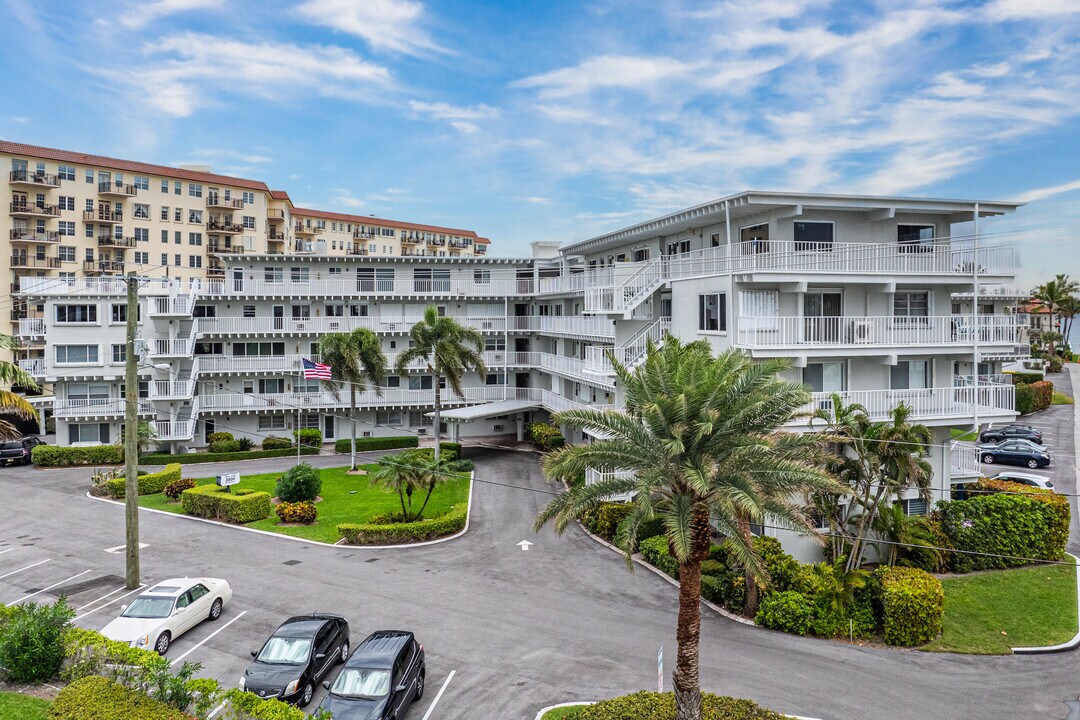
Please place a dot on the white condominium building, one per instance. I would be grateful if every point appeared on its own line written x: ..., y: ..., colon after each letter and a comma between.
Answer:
x: 870, y: 297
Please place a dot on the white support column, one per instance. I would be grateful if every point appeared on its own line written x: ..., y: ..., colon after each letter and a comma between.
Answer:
x: 520, y: 423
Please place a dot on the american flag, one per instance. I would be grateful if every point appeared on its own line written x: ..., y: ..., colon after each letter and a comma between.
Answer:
x: 315, y: 371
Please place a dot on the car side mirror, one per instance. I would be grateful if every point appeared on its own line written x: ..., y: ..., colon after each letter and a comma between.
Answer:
x: 400, y: 688
x: 320, y: 656
x: 254, y: 653
x: 326, y: 684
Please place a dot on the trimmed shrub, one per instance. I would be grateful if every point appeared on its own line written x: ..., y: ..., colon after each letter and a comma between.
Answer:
x: 98, y: 698
x: 297, y: 512
x: 449, y: 450
x: 225, y: 446
x: 1025, y: 399
x: 149, y: 484
x: 367, y: 444
x: 401, y: 533
x: 1033, y: 523
x: 661, y: 706
x: 56, y: 456
x: 914, y: 604
x: 300, y: 482
x: 213, y: 502
x: 248, y: 706
x: 272, y: 442
x: 784, y: 571
x: 1044, y: 394
x: 87, y: 652
x: 1022, y: 378
x: 788, y: 611
x: 1055, y: 365
x: 245, y: 443
x: 656, y: 552
x: 173, y: 489
x: 309, y: 437
x: 546, y: 436
x: 195, y: 458
x: 604, y: 519
x: 31, y: 646
x: 219, y: 437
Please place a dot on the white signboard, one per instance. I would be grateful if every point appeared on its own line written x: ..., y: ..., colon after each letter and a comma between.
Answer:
x: 228, y: 479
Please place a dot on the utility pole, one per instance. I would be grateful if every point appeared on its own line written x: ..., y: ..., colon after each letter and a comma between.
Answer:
x: 131, y: 436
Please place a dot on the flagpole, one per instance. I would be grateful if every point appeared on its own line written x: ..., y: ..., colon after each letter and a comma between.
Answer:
x: 298, y: 415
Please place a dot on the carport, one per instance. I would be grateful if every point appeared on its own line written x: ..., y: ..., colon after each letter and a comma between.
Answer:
x: 456, y: 416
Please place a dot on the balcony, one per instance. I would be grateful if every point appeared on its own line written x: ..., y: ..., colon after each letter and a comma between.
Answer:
x: 874, y: 333
x: 218, y: 202
x: 301, y: 229
x: 275, y: 214
x: 356, y: 250
x: 594, y: 476
x: 25, y: 261
x: 95, y: 407
x: 172, y: 389
x: 117, y: 189
x: 586, y: 327
x: 215, y: 271
x: 218, y: 228
x: 179, y: 306
x: 411, y: 239
x: 218, y: 249
x: 274, y: 236
x: 107, y: 267
x: 48, y: 286
x: 26, y: 235
x: 33, y: 210
x: 174, y: 430
x: 236, y: 326
x: 102, y: 216
x: 33, y: 178
x: 174, y: 348
x: 462, y: 285
x: 34, y: 366
x: 111, y: 241
x: 30, y: 327
x: 932, y: 406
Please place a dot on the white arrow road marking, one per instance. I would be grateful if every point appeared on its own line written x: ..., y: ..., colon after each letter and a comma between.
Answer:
x: 121, y: 548
x: 441, y: 691
x: 39, y: 562
x: 102, y: 607
x: 207, y: 638
x: 23, y: 599
x: 524, y: 544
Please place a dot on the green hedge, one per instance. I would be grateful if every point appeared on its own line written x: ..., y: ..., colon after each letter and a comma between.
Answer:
x: 149, y: 484
x: 240, y: 506
x: 1024, y: 378
x: 272, y: 442
x: 98, y: 698
x: 242, y: 705
x: 1025, y: 399
x: 656, y: 552
x: 1044, y: 394
x: 661, y: 706
x: 788, y: 611
x: 604, y: 519
x: 56, y: 456
x: 344, y: 445
x: 88, y: 652
x: 310, y: 437
x: 1032, y: 523
x: 401, y: 533
x: 546, y: 436
x: 914, y: 604
x: 192, y: 458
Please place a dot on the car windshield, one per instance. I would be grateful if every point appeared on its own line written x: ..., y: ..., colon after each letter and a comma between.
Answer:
x: 285, y: 651
x: 362, y: 683
x: 12, y: 445
x: 149, y: 607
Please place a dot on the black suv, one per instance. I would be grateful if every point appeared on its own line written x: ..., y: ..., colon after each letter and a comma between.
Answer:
x: 383, y: 677
x: 296, y: 657
x: 18, y: 451
x: 1011, y: 432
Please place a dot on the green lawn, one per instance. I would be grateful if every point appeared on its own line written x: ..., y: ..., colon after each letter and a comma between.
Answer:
x: 1033, y: 605
x: 958, y: 434
x: 346, y: 499
x: 562, y: 713
x: 1061, y: 398
x: 14, y: 706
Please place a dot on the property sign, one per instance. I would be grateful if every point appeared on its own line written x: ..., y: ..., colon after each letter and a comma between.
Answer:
x: 228, y: 479
x: 660, y: 670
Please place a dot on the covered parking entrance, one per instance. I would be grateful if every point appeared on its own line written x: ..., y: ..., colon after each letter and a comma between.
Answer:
x: 516, y: 408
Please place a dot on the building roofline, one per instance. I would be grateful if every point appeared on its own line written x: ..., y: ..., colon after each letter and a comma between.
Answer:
x: 383, y: 222
x: 264, y: 257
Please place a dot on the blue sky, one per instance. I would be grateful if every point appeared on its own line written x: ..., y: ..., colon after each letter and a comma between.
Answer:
x: 557, y: 120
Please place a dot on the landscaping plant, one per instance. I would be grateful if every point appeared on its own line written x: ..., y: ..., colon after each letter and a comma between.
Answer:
x: 300, y: 482
x: 356, y: 360
x: 31, y: 644
x: 303, y: 512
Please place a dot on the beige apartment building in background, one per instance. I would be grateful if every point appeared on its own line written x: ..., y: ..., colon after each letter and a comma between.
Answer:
x: 72, y: 214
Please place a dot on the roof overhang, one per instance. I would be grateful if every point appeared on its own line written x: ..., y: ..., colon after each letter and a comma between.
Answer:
x: 486, y: 410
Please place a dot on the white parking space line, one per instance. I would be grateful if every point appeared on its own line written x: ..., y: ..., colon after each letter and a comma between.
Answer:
x: 437, y: 697
x: 96, y: 600
x: 62, y: 582
x: 120, y: 548
x: 202, y: 642
x: 6, y: 551
x: 39, y: 562
x: 102, y: 607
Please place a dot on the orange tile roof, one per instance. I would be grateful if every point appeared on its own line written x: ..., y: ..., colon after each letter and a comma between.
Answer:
x: 280, y: 195
x: 67, y: 156
x: 365, y: 219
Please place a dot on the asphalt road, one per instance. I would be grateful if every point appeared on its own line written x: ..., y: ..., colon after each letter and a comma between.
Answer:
x: 519, y: 630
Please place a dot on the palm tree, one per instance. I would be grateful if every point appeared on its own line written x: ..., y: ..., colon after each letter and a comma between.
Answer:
x: 356, y: 359
x: 403, y: 474
x: 448, y: 350
x: 1052, y: 295
x: 699, y: 438
x: 1068, y: 309
x: 12, y: 403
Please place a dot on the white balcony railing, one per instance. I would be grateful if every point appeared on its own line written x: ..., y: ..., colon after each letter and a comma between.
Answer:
x: 926, y: 403
x: 594, y: 475
x: 174, y: 429
x: 30, y: 327
x: 964, y: 460
x: 94, y: 407
x: 767, y: 332
x: 171, y: 389
x: 586, y: 326
x: 630, y: 353
x: 45, y: 286
x: 232, y: 326
x: 34, y: 366
x: 462, y: 285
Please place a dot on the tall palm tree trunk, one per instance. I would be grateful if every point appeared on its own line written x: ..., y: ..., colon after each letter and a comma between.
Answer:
x: 352, y: 417
x: 750, y: 603
x: 688, y: 633
x: 438, y: 416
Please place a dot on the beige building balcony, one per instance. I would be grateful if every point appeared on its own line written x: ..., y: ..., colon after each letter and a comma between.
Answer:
x: 26, y: 235
x: 117, y: 189
x: 215, y: 227
x: 102, y: 216
x: 31, y: 178
x: 301, y: 229
x: 106, y: 267
x: 111, y: 241
x: 27, y: 209
x: 218, y: 202
x: 30, y: 262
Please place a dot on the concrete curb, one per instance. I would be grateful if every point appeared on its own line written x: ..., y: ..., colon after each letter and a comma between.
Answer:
x: 549, y: 708
x: 339, y: 544
x: 1065, y: 646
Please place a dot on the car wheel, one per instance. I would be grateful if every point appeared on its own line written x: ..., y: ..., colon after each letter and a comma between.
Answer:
x: 419, y: 686
x: 215, y: 610
x: 344, y: 652
x: 1033, y: 463
x: 162, y: 644
x: 988, y: 459
x: 305, y: 698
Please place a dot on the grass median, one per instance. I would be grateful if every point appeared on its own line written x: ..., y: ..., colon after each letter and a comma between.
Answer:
x: 562, y: 713
x: 345, y: 499
x: 991, y: 612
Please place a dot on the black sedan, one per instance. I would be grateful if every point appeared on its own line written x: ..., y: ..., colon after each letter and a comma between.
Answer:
x: 382, y: 678
x: 297, y: 656
x: 1015, y: 452
x: 1011, y: 432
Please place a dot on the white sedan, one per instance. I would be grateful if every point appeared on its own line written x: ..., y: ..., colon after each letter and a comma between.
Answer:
x: 168, y: 610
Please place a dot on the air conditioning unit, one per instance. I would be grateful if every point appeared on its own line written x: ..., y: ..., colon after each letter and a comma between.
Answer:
x: 421, y: 431
x: 862, y: 331
x: 366, y: 433
x: 497, y: 428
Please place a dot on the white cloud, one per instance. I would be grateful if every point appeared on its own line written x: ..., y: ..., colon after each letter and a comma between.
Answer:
x: 142, y: 13
x: 392, y: 25
x: 344, y: 196
x: 1046, y: 192
x: 538, y: 200
x: 563, y: 113
x: 187, y: 71
x: 1021, y: 9
x: 461, y: 118
x: 607, y: 71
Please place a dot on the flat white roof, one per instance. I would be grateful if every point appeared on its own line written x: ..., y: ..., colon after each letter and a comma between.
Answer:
x: 478, y: 412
